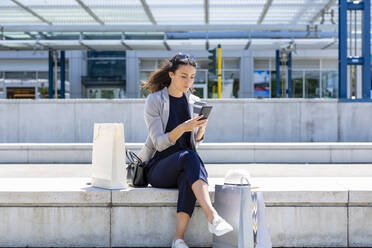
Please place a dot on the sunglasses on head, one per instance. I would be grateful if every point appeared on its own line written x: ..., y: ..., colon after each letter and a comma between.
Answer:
x: 185, y: 58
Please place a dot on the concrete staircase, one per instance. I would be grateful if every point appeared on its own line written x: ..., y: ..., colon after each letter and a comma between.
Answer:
x: 52, y: 204
x: 324, y: 152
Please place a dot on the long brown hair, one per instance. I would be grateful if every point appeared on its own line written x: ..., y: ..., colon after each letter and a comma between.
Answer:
x: 160, y: 78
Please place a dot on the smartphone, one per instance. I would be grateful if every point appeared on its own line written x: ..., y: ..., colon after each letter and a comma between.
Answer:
x: 205, y: 111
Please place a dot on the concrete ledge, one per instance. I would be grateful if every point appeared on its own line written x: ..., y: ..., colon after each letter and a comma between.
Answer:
x: 327, y: 152
x: 67, y: 212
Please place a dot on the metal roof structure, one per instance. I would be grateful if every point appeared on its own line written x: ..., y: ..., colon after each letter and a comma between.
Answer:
x: 166, y: 24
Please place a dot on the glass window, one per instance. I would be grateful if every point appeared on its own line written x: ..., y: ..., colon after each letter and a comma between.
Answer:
x: 98, y: 68
x: 330, y: 84
x: 107, y: 54
x: 43, y: 75
x: 202, y: 64
x: 230, y: 64
x: 22, y: 75
x: 273, y: 84
x: 20, y: 93
x: 312, y: 84
x: 200, y: 77
x: 297, y: 82
x: 306, y: 64
x: 108, y: 93
x: 230, y: 82
x: 212, y: 86
x: 261, y: 64
x: 200, y: 90
x: 329, y: 64
x: 146, y: 64
x: 144, y: 75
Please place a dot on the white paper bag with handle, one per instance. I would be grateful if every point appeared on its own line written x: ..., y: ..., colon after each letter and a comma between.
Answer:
x: 108, y: 156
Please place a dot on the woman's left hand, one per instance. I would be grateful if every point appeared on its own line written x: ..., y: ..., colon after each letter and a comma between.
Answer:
x: 200, y: 134
x: 203, y: 126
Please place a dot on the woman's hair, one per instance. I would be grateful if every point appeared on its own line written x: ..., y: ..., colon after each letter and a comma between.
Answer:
x: 160, y: 78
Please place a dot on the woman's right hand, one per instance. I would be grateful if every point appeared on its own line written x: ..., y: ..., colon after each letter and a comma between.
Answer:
x: 193, y: 123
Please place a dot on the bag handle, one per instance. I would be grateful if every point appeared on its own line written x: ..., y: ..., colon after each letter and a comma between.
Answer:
x: 244, y: 178
x: 132, y: 156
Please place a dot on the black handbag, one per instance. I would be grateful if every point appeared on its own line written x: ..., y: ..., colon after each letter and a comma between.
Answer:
x: 136, y: 170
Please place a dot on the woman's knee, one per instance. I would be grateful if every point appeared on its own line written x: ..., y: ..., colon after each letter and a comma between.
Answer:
x: 188, y: 156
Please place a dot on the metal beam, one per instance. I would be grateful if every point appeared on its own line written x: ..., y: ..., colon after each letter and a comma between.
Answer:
x: 82, y: 43
x: 264, y: 11
x: 162, y: 28
x: 148, y: 11
x: 90, y: 12
x: 31, y: 35
x: 45, y: 37
x: 329, y: 44
x: 166, y: 45
x: 7, y: 47
x: 249, y: 43
x: 38, y: 36
x: 123, y: 42
x: 206, y: 11
x: 302, y: 11
x: 325, y: 9
x: 32, y: 12
x: 165, y: 42
x: 42, y: 45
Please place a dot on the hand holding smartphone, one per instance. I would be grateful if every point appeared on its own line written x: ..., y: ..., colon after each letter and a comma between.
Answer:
x: 205, y: 111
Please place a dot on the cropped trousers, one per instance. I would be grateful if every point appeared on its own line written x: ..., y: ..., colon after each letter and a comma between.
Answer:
x: 179, y: 170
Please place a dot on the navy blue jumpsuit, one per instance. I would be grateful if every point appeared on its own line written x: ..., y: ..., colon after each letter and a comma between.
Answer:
x: 178, y: 166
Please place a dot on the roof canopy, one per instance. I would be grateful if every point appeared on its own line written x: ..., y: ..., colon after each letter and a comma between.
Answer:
x: 163, y: 24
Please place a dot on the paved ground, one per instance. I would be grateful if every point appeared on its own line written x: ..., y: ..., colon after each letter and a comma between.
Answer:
x: 214, y: 170
x: 271, y: 177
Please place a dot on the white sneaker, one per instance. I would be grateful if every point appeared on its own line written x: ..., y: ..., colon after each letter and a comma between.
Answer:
x: 179, y: 243
x: 219, y: 226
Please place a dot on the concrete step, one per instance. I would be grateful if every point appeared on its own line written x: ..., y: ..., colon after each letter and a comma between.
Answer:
x: 214, y: 170
x: 324, y: 152
x: 68, y: 212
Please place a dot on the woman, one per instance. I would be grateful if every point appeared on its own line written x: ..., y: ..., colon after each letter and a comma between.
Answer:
x: 170, y: 149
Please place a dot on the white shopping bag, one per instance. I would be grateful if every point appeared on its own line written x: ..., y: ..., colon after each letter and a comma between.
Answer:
x: 233, y: 202
x: 108, y: 156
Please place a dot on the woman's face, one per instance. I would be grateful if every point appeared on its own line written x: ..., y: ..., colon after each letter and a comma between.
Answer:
x: 183, y: 77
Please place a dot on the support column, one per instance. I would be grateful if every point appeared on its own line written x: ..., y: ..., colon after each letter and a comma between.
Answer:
x: 366, y: 49
x: 50, y: 73
x: 132, y: 77
x: 289, y: 64
x: 344, y: 60
x: 77, y: 68
x: 342, y: 49
x: 246, y: 76
x: 277, y: 73
x: 62, y: 74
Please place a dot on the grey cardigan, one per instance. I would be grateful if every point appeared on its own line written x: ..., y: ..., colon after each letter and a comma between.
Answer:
x: 156, y: 118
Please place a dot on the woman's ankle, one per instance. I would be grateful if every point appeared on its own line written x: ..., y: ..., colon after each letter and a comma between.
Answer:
x: 178, y: 237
